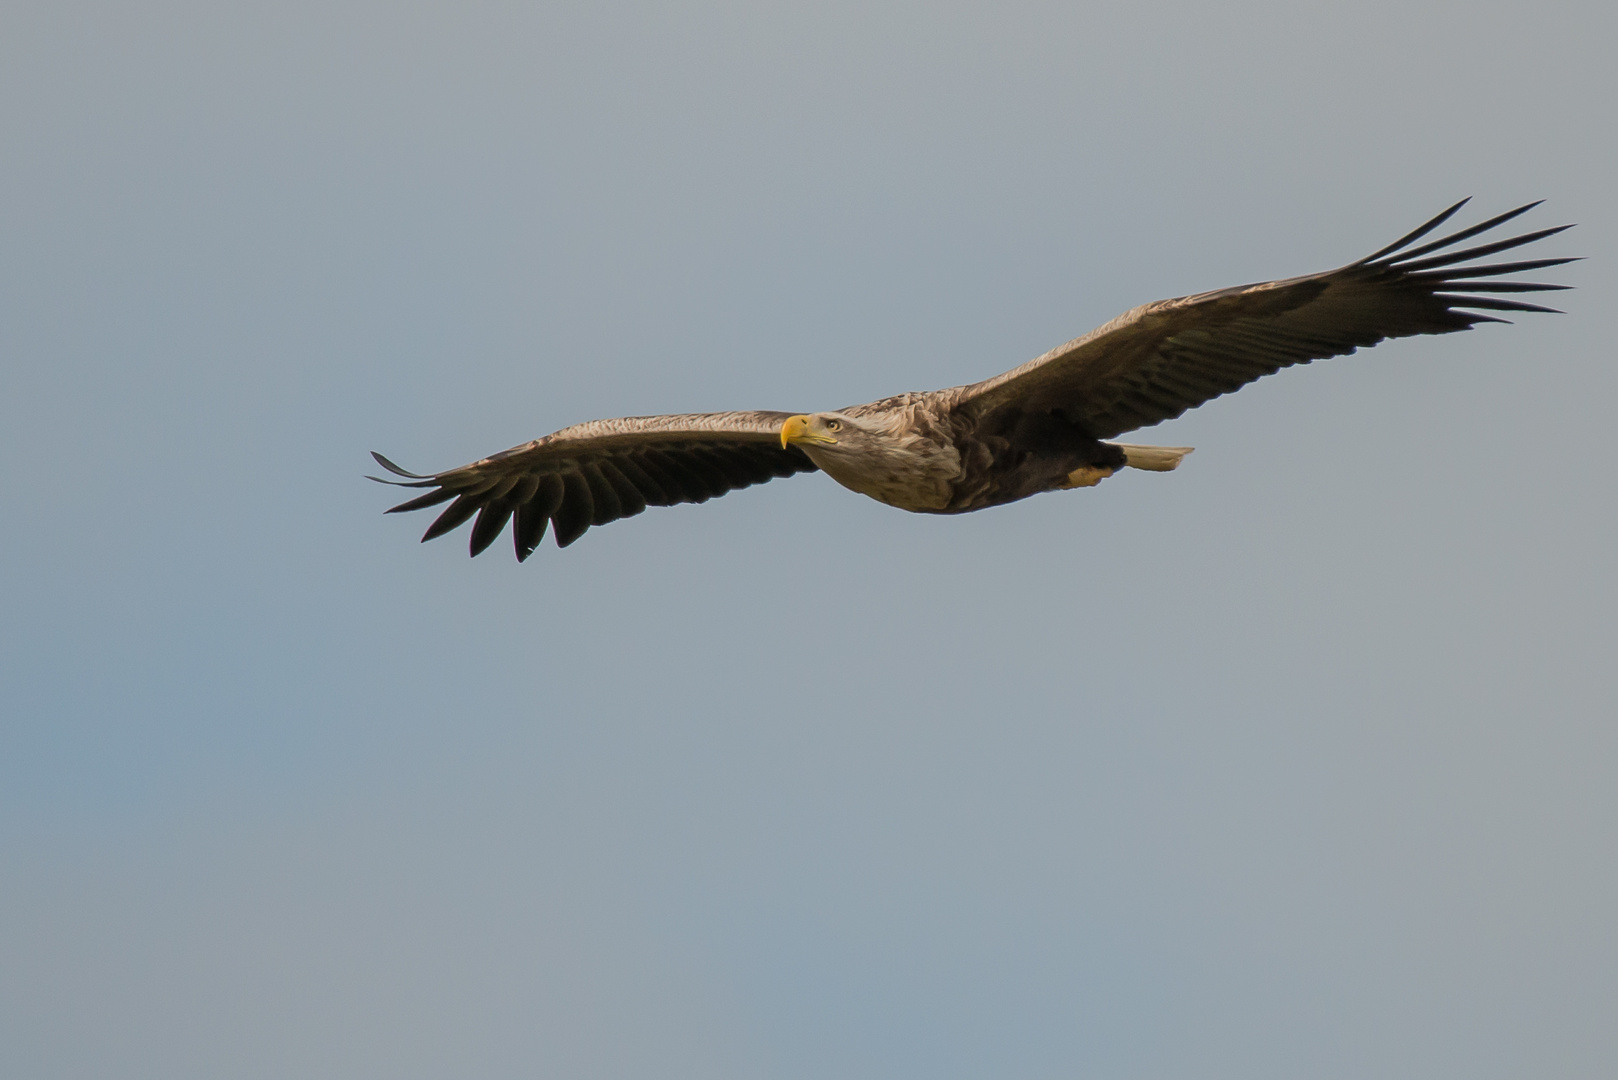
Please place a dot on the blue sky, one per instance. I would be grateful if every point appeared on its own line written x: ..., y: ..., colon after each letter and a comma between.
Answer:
x: 1297, y: 761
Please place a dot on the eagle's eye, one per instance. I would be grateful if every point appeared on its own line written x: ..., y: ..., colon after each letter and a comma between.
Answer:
x: 834, y: 425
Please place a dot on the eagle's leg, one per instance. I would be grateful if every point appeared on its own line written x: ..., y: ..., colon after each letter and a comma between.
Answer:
x: 1088, y: 476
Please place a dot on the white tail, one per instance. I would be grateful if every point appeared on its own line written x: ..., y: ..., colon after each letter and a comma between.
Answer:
x: 1154, y: 458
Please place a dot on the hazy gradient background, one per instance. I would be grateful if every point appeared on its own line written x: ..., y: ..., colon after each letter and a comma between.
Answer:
x: 1299, y: 762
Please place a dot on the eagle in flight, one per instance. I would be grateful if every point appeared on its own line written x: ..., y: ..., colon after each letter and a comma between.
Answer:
x: 1044, y: 426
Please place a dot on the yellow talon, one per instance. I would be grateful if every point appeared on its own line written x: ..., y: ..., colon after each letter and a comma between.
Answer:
x: 1089, y: 476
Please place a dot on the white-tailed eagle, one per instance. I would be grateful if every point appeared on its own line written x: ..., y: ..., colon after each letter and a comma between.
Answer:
x: 1044, y: 426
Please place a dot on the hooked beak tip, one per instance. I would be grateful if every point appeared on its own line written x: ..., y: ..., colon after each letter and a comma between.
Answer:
x: 794, y: 429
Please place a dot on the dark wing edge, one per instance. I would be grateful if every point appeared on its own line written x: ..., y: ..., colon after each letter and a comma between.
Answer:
x: 595, y: 473
x: 1157, y: 361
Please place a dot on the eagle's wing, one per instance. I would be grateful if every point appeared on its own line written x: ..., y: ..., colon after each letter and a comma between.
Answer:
x: 1155, y: 362
x: 590, y: 474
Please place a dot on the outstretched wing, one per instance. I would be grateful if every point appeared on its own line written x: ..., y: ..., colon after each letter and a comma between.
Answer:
x: 598, y: 472
x: 1155, y: 362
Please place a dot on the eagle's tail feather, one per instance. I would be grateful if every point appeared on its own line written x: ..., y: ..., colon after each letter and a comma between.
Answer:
x: 1153, y: 458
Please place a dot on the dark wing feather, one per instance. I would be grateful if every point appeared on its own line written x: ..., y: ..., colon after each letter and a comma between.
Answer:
x: 598, y: 472
x: 1155, y: 362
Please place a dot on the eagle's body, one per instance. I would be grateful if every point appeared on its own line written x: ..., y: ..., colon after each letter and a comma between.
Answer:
x: 1044, y: 426
x: 927, y: 454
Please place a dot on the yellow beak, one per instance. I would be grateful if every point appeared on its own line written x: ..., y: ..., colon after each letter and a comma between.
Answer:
x: 796, y: 430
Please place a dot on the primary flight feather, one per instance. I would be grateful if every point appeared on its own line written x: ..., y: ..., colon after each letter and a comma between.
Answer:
x: 1044, y: 426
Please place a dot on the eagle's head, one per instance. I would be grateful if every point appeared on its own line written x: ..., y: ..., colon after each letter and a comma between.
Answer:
x: 830, y: 433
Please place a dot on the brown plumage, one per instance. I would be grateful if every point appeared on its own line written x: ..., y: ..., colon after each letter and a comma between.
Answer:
x: 1043, y: 426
